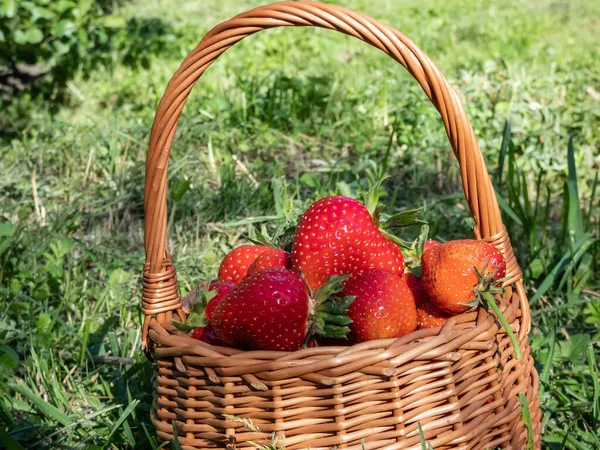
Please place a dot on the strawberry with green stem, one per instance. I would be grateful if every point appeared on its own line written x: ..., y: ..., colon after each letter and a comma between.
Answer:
x: 460, y: 275
x: 275, y: 310
x: 449, y: 272
x: 339, y: 235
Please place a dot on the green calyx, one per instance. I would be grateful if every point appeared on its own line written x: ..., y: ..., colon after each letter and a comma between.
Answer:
x: 372, y: 197
x: 414, y: 251
x: 403, y: 219
x: 282, y: 237
x: 485, y: 291
x: 328, y: 316
x: 383, y: 222
x: 260, y: 237
x: 405, y: 245
x: 197, y: 318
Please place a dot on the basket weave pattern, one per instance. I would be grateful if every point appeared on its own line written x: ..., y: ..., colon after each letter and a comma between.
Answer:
x: 459, y: 382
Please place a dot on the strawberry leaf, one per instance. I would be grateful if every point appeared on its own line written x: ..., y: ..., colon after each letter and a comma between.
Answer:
x: 420, y: 242
x: 403, y: 219
x: 333, y: 285
x: 334, y: 331
x: 196, y: 317
x: 396, y: 240
x: 372, y: 199
x: 260, y: 238
x: 337, y: 305
x: 182, y: 326
x: 336, y: 319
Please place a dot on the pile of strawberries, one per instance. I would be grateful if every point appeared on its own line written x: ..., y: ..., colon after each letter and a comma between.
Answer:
x: 345, y: 281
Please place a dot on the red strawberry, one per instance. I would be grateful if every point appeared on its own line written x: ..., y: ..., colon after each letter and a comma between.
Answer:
x: 269, y: 259
x: 430, y: 316
x: 206, y: 334
x: 222, y: 288
x: 337, y: 236
x: 234, y: 266
x: 449, y: 272
x: 415, y: 285
x: 383, y: 307
x: 272, y: 310
x: 268, y: 310
x: 430, y: 243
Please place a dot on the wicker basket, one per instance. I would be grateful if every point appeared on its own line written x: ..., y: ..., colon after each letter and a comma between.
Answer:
x: 459, y: 382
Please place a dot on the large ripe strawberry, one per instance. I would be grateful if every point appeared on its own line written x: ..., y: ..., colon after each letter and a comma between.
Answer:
x: 336, y: 236
x: 383, y: 306
x: 234, y: 266
x: 454, y: 272
x: 273, y: 310
x: 430, y: 316
x: 270, y: 259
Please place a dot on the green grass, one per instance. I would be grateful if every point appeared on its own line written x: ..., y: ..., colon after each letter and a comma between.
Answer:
x: 316, y: 109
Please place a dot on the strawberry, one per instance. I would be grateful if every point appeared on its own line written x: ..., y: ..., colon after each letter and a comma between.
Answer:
x: 206, y: 334
x: 430, y: 243
x: 222, y: 288
x: 383, y: 307
x: 454, y: 272
x: 234, y: 266
x: 336, y: 236
x: 273, y: 310
x: 430, y: 316
x: 269, y: 259
x: 415, y: 284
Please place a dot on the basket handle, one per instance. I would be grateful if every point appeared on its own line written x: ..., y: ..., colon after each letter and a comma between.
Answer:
x: 160, y: 293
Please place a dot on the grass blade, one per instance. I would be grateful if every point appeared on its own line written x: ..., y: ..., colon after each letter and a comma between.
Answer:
x: 44, y: 308
x: 545, y: 375
x: 152, y: 439
x: 422, y: 437
x: 176, y: 445
x: 507, y: 209
x: 596, y: 383
x: 9, y: 442
x: 575, y: 220
x: 122, y: 419
x: 584, y: 243
x: 503, y: 150
x: 590, y: 211
x: 527, y: 419
x: 45, y: 408
x: 249, y: 220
